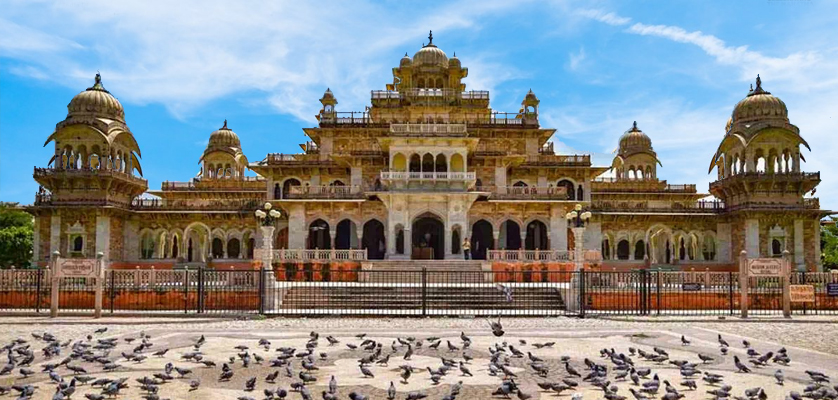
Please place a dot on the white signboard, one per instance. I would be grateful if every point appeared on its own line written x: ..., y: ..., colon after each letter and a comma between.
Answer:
x: 765, y: 266
x: 77, y: 267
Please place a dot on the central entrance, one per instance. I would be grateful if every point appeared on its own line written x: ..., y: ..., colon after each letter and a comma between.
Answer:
x: 428, y: 238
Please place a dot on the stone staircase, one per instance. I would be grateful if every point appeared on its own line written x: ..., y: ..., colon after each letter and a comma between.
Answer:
x: 438, y: 271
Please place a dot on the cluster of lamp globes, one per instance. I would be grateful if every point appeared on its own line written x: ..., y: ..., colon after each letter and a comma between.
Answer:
x: 584, y: 216
x: 267, y: 215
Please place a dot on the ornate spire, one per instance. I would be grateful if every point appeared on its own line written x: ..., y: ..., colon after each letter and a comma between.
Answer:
x: 634, y: 126
x: 97, y: 83
x: 758, y: 89
x: 430, y: 38
x: 225, y: 125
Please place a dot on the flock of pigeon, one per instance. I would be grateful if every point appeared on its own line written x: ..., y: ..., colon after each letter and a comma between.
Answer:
x: 69, y: 365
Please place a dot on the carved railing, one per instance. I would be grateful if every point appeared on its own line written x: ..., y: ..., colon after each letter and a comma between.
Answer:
x: 325, y: 192
x: 277, y: 158
x: 697, y: 207
x: 550, y: 159
x: 530, y: 193
x: 283, y: 255
x: 428, y: 176
x: 529, y: 255
x: 216, y: 184
x: 105, y: 172
x: 428, y: 130
x: 164, y: 204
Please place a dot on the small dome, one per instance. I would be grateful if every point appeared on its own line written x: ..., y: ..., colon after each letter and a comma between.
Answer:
x: 96, y: 101
x: 759, y: 105
x: 634, y: 140
x: 454, y: 61
x: 224, y: 137
x: 430, y: 55
x: 405, y: 61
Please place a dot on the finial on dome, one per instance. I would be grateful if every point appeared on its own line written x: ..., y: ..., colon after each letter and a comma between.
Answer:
x: 634, y: 126
x: 430, y: 38
x: 225, y: 125
x: 759, y: 83
x: 405, y: 54
x: 98, y: 79
x: 97, y: 83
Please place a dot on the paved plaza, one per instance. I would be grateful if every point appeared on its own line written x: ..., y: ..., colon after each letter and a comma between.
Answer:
x: 811, y: 344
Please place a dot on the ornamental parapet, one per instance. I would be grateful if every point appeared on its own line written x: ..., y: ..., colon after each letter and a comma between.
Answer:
x: 325, y: 192
x: 284, y: 255
x: 193, y: 205
x: 529, y: 193
x: 642, y: 206
x: 248, y: 183
x: 87, y: 172
x: 427, y: 176
x: 547, y: 160
x: 639, y: 185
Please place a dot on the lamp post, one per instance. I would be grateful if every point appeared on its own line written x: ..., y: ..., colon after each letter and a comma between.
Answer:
x: 577, y: 220
x: 267, y: 217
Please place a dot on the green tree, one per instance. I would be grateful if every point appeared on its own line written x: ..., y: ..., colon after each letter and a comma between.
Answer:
x: 16, y: 229
x: 829, y: 245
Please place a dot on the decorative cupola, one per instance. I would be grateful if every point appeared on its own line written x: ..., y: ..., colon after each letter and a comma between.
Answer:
x: 636, y: 159
x: 759, y: 157
x: 223, y: 157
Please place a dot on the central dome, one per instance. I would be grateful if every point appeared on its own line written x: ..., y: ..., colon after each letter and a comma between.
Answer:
x: 224, y: 137
x: 96, y: 101
x: 430, y: 55
x: 634, y: 139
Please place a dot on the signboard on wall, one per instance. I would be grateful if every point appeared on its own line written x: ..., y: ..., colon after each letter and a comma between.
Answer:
x: 832, y: 289
x: 765, y: 266
x: 77, y: 268
x: 802, y: 293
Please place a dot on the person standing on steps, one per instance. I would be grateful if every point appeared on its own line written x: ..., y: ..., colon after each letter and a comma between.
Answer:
x: 466, y: 248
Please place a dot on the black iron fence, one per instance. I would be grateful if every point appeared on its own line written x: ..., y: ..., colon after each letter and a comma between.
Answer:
x: 320, y: 290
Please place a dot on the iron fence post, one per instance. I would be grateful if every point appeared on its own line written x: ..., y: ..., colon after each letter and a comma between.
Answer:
x: 730, y: 290
x: 424, y: 291
x: 38, y: 291
x: 186, y: 291
x: 262, y: 290
x: 658, y: 295
x: 200, y: 290
x: 112, y: 291
x: 582, y: 298
x: 803, y: 282
x: 641, y: 288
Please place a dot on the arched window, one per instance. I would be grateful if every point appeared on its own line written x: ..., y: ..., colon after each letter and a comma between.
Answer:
x: 399, y: 240
x: 682, y: 250
x: 455, y: 241
x: 709, y: 248
x: 457, y: 163
x: 639, y: 250
x: 520, y: 184
x: 250, y: 244
x: 415, y: 163
x: 580, y: 194
x: 570, y: 188
x: 175, y: 249
x: 399, y: 163
x: 233, y: 248
x: 286, y: 186
x: 441, y: 164
x: 337, y: 182
x: 78, y: 244
x: 277, y: 191
x: 776, y: 247
x: 428, y: 163
x: 217, y: 248
x: 623, y: 250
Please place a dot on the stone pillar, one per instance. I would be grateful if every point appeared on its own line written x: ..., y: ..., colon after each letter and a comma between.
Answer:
x: 593, y: 236
x: 55, y: 233
x: 36, y: 240
x: 500, y: 179
x: 752, y: 238
x: 333, y: 236
x: 267, y: 247
x: 496, y: 236
x: 359, y: 237
x: 103, y: 236
x: 578, y: 239
x: 297, y: 226
x: 744, y: 282
x: 799, y: 252
x: 723, y: 243
x: 558, y: 228
x: 357, y: 178
x: 542, y: 181
x: 447, y: 242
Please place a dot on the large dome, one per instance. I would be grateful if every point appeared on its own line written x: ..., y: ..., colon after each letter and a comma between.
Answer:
x: 224, y: 137
x: 759, y: 105
x: 96, y: 101
x: 430, y: 55
x: 634, y: 140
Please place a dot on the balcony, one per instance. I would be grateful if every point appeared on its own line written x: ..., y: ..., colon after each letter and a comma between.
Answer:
x: 699, y: 207
x: 427, y: 176
x: 194, y: 205
x: 614, y: 185
x: 529, y: 193
x: 324, y: 192
x: 247, y: 183
x: 549, y: 160
x: 425, y: 130
x: 295, y: 160
x: 415, y: 94
x: 529, y: 255
x: 87, y: 173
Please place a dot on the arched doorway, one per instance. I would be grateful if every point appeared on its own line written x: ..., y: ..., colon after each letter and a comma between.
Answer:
x: 233, y: 248
x: 217, y: 248
x: 318, y: 235
x: 346, y: 235
x: 570, y: 188
x: 481, y: 239
x: 428, y: 239
x: 639, y: 250
x: 510, y: 235
x: 623, y: 250
x: 374, y: 240
x: 536, y: 236
x: 281, y: 240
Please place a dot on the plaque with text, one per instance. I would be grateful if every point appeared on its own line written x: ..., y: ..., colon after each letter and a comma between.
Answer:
x: 77, y: 268
x: 802, y: 293
x: 765, y: 266
x: 691, y: 287
x: 832, y: 289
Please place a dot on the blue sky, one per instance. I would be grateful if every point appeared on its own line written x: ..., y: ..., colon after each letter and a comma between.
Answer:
x: 181, y: 68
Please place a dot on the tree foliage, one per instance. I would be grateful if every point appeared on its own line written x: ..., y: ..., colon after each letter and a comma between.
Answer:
x: 16, y: 229
x: 829, y: 245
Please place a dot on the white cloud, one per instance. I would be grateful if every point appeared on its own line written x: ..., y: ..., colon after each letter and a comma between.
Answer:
x: 186, y: 53
x: 609, y: 18
x: 576, y: 59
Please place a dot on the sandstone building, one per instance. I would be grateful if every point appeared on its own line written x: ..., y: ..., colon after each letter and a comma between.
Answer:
x: 426, y: 165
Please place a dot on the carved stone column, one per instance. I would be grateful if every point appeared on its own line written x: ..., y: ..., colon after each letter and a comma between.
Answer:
x: 267, y: 247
